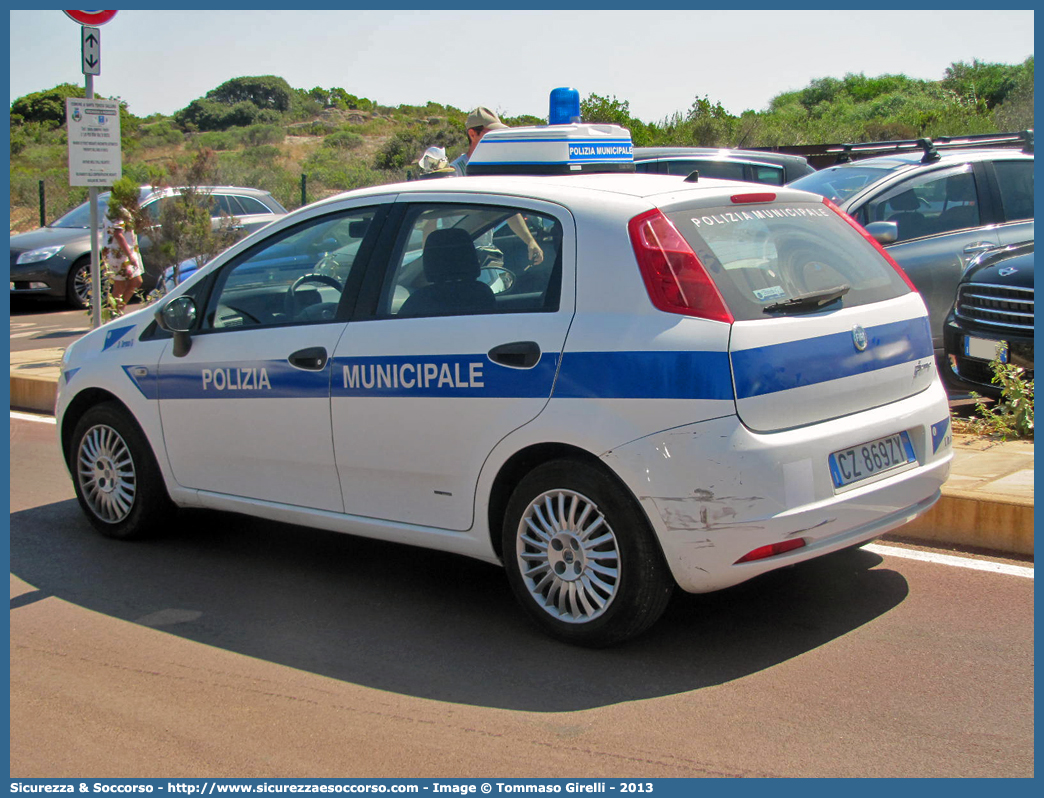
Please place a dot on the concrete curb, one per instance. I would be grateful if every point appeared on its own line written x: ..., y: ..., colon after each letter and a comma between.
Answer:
x: 34, y: 394
x: 982, y: 519
x: 997, y: 523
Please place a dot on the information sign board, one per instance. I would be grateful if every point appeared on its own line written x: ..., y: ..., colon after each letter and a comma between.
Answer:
x: 94, y: 141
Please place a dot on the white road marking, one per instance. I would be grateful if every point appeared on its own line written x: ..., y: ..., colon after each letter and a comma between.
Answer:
x: 949, y: 559
x: 32, y: 417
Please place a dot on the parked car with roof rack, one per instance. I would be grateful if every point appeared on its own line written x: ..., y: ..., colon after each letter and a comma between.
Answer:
x: 992, y: 319
x: 55, y: 260
x: 936, y: 204
x: 752, y: 166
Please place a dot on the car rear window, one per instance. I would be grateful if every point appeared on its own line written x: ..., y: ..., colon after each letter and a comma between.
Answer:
x: 761, y: 256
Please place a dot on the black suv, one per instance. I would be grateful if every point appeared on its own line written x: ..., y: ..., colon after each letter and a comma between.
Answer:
x: 992, y: 319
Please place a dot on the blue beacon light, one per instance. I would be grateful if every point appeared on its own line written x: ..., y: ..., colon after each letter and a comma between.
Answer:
x: 565, y: 106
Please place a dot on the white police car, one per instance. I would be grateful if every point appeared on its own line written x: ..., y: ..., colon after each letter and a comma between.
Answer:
x: 691, y: 383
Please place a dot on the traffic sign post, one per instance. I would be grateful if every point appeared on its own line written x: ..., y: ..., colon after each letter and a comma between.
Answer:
x: 90, y: 51
x: 90, y: 63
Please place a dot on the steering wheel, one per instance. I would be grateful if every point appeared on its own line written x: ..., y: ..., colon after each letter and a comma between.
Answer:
x: 290, y: 301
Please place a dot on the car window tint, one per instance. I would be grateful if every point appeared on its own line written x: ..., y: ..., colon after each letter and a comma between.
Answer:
x: 155, y: 208
x: 251, y: 205
x: 723, y: 170
x: 225, y: 205
x: 1016, y: 187
x: 470, y: 259
x: 298, y: 277
x: 768, y: 174
x: 762, y: 256
x: 939, y: 202
x: 838, y: 183
x: 652, y: 167
x: 80, y: 216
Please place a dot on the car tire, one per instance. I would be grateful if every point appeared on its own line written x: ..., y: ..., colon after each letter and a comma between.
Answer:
x: 581, y: 557
x: 78, y: 284
x: 117, y: 480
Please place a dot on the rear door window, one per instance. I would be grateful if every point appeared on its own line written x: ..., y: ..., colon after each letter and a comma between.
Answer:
x: 1016, y: 187
x: 762, y: 256
x: 252, y: 205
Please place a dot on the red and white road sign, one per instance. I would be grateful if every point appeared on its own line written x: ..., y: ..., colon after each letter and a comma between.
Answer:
x: 92, y: 18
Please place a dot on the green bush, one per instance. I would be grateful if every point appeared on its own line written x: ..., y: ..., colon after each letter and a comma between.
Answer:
x: 1012, y: 417
x: 257, y: 135
x: 343, y: 140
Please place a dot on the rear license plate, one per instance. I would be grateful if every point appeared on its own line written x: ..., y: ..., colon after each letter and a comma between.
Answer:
x: 849, y: 466
x: 985, y: 349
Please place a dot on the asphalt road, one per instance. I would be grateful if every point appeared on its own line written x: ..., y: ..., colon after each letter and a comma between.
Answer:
x: 242, y: 648
x: 38, y: 323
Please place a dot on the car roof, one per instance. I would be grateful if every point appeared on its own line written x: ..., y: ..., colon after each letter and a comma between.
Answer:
x: 903, y: 159
x: 785, y: 159
x: 562, y: 189
x: 149, y: 191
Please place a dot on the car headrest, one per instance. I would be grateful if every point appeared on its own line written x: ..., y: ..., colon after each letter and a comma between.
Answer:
x: 907, y: 201
x: 450, y: 255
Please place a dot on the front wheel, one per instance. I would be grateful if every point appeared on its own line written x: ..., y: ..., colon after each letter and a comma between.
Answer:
x: 78, y: 284
x: 117, y: 480
x: 580, y: 556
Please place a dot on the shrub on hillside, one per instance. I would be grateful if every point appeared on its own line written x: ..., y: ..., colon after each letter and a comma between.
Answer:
x: 343, y: 140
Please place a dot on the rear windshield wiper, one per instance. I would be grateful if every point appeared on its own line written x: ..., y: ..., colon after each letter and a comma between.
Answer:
x: 809, y: 301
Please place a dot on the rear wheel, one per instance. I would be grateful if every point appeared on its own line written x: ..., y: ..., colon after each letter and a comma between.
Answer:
x: 78, y: 285
x: 117, y: 480
x: 580, y: 556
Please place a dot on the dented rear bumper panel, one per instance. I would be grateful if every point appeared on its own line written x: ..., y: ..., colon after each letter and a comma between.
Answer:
x: 716, y: 490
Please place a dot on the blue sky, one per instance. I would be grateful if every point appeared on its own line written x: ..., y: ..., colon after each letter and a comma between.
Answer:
x: 658, y: 61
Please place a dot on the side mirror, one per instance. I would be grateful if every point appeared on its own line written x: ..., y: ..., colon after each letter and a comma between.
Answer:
x: 498, y: 278
x: 179, y: 317
x: 883, y: 232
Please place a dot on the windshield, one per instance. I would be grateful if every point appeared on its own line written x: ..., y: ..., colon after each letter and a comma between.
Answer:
x: 80, y: 216
x: 838, y: 183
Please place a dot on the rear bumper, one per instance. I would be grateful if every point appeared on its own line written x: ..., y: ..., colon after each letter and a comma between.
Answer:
x: 716, y: 491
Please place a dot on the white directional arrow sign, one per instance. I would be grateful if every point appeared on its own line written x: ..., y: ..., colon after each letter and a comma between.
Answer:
x: 90, y: 47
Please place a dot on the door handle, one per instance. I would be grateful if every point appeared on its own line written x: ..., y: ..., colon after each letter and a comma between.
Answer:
x: 312, y: 359
x: 977, y: 247
x: 517, y: 355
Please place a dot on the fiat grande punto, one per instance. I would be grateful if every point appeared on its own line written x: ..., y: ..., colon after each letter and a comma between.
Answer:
x: 684, y: 383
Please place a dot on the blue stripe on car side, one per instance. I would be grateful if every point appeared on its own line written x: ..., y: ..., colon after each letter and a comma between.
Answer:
x: 644, y: 375
x: 583, y: 375
x: 782, y: 367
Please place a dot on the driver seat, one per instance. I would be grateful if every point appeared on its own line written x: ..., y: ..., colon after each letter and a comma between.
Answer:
x: 451, y: 267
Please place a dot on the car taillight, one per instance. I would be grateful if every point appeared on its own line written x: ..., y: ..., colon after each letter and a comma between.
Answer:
x: 674, y: 277
x: 771, y: 550
x: 873, y: 242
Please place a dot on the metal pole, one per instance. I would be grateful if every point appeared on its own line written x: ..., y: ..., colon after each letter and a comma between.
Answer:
x: 92, y: 193
x: 43, y: 205
x: 304, y: 183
